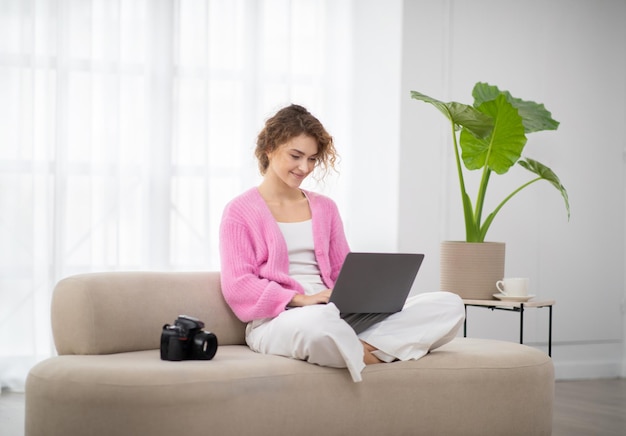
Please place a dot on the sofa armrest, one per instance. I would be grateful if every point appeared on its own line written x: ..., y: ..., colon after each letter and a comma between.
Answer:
x: 113, y: 312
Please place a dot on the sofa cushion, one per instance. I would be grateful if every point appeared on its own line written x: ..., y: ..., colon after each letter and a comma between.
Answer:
x: 466, y: 387
x: 113, y: 312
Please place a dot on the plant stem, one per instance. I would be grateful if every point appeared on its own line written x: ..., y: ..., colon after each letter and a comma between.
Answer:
x: 458, y: 160
x: 471, y: 229
x: 487, y: 223
x: 480, y: 199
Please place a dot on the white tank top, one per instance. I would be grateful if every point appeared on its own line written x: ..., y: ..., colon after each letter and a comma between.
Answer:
x: 302, y: 263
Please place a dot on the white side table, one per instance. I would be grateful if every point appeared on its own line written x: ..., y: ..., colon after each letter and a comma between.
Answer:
x: 514, y: 306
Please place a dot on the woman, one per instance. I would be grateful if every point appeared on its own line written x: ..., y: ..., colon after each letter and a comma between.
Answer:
x: 281, y: 251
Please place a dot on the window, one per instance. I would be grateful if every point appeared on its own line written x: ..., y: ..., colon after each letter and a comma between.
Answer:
x: 125, y: 126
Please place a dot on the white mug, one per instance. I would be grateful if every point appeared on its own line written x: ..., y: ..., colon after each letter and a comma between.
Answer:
x: 513, y: 287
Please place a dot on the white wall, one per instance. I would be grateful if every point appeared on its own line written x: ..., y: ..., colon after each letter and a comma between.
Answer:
x: 370, y: 166
x: 569, y: 55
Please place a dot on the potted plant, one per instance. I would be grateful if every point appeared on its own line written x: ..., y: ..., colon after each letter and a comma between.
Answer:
x: 488, y: 136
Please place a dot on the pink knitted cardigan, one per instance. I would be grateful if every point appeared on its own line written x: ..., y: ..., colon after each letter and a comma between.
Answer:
x: 254, y: 258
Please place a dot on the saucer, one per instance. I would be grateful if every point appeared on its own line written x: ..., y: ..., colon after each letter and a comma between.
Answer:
x: 513, y: 298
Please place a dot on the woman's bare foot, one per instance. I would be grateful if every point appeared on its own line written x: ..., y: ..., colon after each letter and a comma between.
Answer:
x: 368, y: 357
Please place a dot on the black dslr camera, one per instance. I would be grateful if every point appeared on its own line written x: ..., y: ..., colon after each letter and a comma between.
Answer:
x: 186, y: 340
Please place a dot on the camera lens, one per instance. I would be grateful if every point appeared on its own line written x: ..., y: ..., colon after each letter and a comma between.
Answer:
x: 204, y: 345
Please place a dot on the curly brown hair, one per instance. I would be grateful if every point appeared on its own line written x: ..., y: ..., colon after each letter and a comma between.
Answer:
x: 287, y: 123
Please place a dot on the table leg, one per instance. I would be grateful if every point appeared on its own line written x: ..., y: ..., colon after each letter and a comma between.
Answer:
x: 550, y: 333
x: 465, y: 323
x: 521, y: 323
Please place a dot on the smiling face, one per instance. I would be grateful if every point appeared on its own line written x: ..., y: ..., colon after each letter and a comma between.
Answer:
x: 293, y: 161
x: 295, y: 125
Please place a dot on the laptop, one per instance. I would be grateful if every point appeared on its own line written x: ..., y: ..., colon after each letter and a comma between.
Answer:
x: 372, y: 286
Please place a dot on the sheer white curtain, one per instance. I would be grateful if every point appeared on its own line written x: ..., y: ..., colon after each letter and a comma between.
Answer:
x: 125, y: 126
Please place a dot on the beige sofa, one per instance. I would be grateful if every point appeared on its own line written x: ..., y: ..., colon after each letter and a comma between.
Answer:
x: 109, y: 380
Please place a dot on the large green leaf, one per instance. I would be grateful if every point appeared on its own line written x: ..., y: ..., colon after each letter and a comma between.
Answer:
x: 483, y: 92
x: 546, y: 174
x: 500, y: 150
x: 534, y: 115
x: 460, y: 114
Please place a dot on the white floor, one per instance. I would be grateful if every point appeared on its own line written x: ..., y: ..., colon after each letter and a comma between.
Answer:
x: 11, y: 414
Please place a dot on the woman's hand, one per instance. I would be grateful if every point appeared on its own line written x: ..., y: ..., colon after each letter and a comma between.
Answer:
x: 300, y: 300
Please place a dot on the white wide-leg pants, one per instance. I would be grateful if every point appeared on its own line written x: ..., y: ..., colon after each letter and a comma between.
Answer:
x: 317, y: 334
